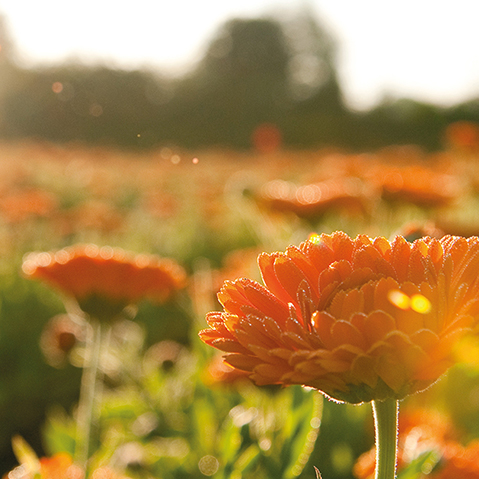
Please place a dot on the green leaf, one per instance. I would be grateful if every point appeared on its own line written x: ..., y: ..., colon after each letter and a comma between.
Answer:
x: 420, y: 466
x: 248, y: 459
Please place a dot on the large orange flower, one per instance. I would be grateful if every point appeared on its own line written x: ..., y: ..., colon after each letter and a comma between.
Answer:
x: 359, y: 319
x: 106, y: 280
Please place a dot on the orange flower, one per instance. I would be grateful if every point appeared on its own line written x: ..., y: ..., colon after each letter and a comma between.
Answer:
x: 459, y: 462
x: 21, y: 205
x: 220, y: 374
x: 348, y: 195
x: 463, y: 135
x: 421, y: 432
x: 418, y: 185
x: 59, y: 466
x: 106, y: 280
x: 359, y: 319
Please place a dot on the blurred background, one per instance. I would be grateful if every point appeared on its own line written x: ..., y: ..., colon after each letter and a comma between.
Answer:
x: 323, y: 72
x: 208, y: 132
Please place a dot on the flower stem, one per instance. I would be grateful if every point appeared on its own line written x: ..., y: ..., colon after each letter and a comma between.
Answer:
x: 386, y: 427
x: 88, y: 392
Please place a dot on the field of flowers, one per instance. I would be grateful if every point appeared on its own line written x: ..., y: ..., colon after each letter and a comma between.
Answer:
x: 169, y: 407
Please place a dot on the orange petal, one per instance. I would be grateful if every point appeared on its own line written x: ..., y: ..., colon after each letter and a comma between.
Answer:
x: 425, y: 339
x: 399, y: 257
x: 344, y: 305
x: 265, y: 301
x: 377, y: 325
x: 241, y: 361
x: 322, y: 323
x: 227, y: 345
x: 289, y: 275
x: 392, y: 372
x: 344, y: 332
x: 363, y: 369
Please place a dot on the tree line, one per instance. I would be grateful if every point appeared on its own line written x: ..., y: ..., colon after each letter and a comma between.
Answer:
x: 254, y: 72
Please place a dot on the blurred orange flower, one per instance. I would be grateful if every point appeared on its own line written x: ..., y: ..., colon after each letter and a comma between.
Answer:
x: 105, y: 280
x: 419, y: 433
x: 18, y: 206
x: 266, y: 138
x: 348, y: 194
x: 59, y: 466
x: 418, y: 185
x: 359, y: 319
x: 221, y: 374
x: 463, y: 135
x: 459, y: 462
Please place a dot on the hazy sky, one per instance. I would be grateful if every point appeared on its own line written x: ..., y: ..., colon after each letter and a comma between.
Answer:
x: 422, y: 49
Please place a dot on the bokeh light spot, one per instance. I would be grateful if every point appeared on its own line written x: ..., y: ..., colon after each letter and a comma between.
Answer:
x: 208, y: 465
x: 57, y: 87
x: 399, y: 299
x: 420, y: 304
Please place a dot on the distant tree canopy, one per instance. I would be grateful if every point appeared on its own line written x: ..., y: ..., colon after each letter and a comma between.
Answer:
x: 254, y: 72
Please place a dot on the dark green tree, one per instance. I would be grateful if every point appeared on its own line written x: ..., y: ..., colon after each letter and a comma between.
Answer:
x: 241, y: 81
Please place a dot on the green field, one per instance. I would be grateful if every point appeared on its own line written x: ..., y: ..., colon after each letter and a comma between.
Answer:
x: 164, y: 414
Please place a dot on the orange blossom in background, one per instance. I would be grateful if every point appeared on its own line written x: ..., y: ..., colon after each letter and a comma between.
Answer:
x: 105, y: 280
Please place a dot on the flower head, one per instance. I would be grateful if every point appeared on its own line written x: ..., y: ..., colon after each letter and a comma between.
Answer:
x: 359, y: 319
x: 345, y: 195
x: 418, y: 185
x: 106, y: 280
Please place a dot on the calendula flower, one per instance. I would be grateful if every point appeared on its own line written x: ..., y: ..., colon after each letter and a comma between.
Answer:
x: 418, y: 185
x: 60, y: 466
x: 346, y: 195
x: 106, y: 280
x: 463, y: 135
x: 362, y: 319
x: 458, y: 461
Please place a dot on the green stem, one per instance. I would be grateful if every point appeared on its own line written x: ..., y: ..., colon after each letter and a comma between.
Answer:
x: 88, y: 394
x: 386, y: 427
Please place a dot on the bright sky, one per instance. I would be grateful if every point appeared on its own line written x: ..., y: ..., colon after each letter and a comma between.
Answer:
x: 421, y: 49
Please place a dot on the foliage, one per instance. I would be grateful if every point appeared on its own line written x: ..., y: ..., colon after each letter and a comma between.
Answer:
x: 199, y: 213
x: 275, y: 71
